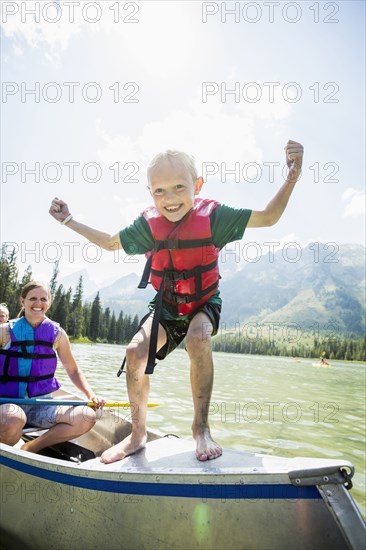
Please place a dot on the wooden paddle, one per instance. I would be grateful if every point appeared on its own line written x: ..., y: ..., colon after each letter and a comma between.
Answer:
x: 55, y: 402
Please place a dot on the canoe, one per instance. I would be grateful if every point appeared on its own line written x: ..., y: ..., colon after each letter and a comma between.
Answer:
x: 164, y: 498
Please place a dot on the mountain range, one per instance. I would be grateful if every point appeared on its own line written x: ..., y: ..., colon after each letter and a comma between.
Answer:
x: 324, y: 290
x: 320, y: 287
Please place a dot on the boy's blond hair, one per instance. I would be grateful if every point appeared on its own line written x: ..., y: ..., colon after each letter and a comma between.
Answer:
x: 172, y: 155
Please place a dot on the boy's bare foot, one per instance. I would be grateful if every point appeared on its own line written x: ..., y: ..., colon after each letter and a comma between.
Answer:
x: 128, y: 446
x: 206, y: 447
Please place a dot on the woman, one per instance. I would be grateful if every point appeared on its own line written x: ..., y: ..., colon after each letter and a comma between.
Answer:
x: 27, y: 369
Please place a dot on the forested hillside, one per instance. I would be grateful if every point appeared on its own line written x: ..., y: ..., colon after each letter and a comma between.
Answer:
x: 302, y: 311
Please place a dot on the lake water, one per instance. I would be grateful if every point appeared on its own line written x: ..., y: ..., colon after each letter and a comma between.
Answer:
x: 268, y: 405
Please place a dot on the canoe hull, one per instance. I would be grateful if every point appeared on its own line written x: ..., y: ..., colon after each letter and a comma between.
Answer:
x: 163, y: 498
x: 56, y: 506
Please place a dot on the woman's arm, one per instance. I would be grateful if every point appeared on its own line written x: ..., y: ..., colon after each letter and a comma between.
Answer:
x: 75, y: 374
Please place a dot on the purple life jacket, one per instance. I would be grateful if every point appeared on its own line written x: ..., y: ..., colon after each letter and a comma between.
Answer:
x: 29, y: 363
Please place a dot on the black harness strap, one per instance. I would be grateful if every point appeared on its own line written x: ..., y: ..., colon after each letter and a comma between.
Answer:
x: 188, y: 298
x: 171, y: 275
x: 186, y: 274
x: 177, y: 244
x: 155, y: 330
x: 9, y: 378
x: 120, y: 370
x: 151, y: 363
x: 6, y: 377
x: 146, y: 274
x: 6, y: 367
x: 31, y: 343
x: 26, y: 355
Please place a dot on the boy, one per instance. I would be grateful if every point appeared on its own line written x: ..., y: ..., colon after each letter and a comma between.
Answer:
x: 182, y: 236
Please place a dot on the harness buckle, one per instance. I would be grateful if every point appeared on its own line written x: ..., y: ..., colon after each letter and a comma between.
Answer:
x: 176, y: 275
x: 182, y: 299
x: 172, y: 244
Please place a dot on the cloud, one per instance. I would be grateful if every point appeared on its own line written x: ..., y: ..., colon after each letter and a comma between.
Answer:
x: 160, y: 37
x: 209, y: 131
x: 286, y: 240
x: 355, y: 203
x: 165, y: 38
x: 40, y: 25
x: 210, y: 137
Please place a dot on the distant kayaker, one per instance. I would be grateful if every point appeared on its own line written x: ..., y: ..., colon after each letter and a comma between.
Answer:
x: 4, y: 313
x: 181, y: 236
x: 323, y: 362
x: 28, y: 363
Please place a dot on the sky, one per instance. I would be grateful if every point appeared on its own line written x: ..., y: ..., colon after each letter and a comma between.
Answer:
x: 91, y: 91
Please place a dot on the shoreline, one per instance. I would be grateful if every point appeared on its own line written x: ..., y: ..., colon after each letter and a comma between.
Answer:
x: 85, y: 340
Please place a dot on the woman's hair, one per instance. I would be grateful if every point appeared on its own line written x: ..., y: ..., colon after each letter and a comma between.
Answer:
x: 171, y: 156
x: 31, y: 286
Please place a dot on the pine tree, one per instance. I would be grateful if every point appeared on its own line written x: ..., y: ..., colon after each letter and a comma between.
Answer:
x: 105, y: 324
x: 135, y: 325
x: 61, y: 309
x: 27, y: 277
x: 128, y: 328
x: 112, y: 334
x: 119, y: 329
x: 95, y: 319
x: 53, y: 281
x: 86, y: 318
x: 9, y: 286
x: 76, y: 318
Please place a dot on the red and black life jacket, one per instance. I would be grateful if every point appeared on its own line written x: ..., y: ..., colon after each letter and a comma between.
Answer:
x: 182, y: 266
x: 184, y: 258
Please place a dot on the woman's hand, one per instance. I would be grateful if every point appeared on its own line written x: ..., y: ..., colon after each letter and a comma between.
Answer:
x: 98, y: 401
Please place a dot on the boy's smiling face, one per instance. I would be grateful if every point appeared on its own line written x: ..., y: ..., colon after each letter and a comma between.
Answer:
x: 173, y: 190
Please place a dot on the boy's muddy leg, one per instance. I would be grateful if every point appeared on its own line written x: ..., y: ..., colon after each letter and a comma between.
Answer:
x: 198, y: 344
x: 138, y: 386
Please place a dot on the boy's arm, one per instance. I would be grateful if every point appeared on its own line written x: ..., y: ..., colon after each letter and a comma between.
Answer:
x: 60, y: 211
x: 275, y: 208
